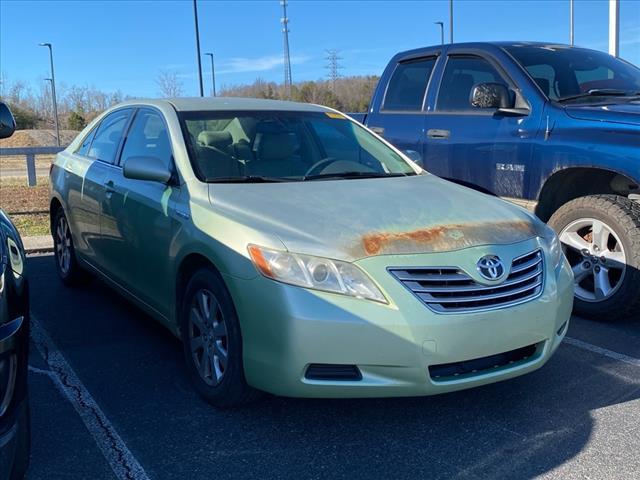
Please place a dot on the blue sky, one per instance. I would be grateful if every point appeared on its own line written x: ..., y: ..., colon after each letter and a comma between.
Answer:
x: 121, y: 45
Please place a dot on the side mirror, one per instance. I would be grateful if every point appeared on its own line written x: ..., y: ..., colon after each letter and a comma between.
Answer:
x: 490, y: 95
x: 7, y: 122
x: 147, y: 168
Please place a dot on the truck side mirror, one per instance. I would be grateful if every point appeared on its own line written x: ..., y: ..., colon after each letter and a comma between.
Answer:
x: 7, y: 122
x: 490, y: 95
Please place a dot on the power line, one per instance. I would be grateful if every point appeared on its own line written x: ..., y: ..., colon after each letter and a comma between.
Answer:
x: 334, y: 67
x: 287, y: 58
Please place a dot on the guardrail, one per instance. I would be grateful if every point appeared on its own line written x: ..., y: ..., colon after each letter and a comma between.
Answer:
x: 30, y: 154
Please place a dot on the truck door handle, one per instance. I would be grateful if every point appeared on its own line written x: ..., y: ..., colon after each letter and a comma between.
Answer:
x: 436, y: 133
x: 378, y: 130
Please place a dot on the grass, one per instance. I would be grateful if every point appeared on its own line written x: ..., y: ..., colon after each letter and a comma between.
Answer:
x: 15, y: 197
x: 32, y: 224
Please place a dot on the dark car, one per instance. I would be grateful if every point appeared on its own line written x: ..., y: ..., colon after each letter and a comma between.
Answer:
x: 552, y: 128
x: 14, y: 342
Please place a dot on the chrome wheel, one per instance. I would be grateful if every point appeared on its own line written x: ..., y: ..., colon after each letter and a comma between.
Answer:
x: 208, y: 337
x: 63, y: 245
x: 597, y: 258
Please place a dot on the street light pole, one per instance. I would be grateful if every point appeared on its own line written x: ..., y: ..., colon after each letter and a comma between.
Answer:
x: 53, y: 92
x: 571, y: 22
x: 450, y: 21
x: 213, y: 74
x: 441, y: 31
x: 195, y: 19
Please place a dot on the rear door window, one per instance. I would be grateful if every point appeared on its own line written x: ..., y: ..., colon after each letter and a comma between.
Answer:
x: 461, y: 74
x: 83, y: 149
x: 108, y: 136
x: 408, y: 85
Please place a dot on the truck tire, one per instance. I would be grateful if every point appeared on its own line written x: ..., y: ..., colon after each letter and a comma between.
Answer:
x: 600, y: 236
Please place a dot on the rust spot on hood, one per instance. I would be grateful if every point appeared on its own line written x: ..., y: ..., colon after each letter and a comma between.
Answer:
x: 442, y: 238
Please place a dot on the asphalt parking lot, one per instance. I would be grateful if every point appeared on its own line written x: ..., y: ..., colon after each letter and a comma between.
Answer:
x: 110, y: 399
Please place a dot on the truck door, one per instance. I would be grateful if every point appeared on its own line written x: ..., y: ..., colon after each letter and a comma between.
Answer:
x: 402, y: 107
x: 479, y: 147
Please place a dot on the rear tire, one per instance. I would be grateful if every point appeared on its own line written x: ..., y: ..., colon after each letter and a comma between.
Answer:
x: 212, y: 342
x: 67, y: 265
x: 600, y: 235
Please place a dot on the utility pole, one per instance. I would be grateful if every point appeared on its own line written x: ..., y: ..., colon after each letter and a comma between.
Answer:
x: 450, y: 21
x: 571, y: 22
x: 287, y: 58
x: 334, y: 67
x: 441, y: 31
x: 614, y: 27
x: 53, y: 92
x: 213, y: 74
x: 195, y: 19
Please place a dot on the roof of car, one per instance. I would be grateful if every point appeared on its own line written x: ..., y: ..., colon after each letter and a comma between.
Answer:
x: 191, y: 104
x: 476, y: 45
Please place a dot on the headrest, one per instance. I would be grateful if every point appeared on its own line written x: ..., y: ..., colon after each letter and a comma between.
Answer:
x: 215, y: 139
x: 276, y: 146
x: 543, y: 83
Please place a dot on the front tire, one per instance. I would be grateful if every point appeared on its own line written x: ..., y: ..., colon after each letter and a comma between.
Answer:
x: 600, y: 236
x: 67, y: 265
x: 212, y: 342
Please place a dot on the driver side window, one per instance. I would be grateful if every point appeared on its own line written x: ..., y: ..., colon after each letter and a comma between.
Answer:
x: 461, y: 74
x: 148, y: 137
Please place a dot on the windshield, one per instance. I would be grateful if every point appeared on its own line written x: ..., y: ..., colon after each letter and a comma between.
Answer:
x: 285, y: 146
x: 563, y: 72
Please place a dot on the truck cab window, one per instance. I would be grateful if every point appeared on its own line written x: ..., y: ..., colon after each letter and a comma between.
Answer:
x: 460, y: 76
x: 408, y: 85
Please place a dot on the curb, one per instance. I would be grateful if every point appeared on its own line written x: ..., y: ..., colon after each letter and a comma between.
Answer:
x: 38, y: 244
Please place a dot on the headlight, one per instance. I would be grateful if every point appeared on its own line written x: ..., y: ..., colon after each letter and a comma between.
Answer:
x: 315, y: 272
x: 554, y: 246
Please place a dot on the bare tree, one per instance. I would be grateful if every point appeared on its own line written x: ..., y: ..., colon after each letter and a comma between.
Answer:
x: 169, y: 83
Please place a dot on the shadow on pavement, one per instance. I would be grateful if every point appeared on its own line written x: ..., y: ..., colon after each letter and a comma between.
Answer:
x: 134, y: 369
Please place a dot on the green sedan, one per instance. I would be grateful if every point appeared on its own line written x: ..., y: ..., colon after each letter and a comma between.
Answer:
x: 295, y: 252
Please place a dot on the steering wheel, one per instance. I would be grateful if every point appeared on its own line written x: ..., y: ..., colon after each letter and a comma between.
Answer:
x: 320, y: 165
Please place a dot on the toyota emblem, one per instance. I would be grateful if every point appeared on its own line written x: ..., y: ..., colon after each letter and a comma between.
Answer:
x: 490, y: 267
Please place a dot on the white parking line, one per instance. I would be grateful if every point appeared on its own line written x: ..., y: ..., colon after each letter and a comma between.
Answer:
x: 602, y: 351
x: 115, y: 451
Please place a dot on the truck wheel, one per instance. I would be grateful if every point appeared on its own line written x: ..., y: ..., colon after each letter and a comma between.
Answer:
x: 212, y: 342
x: 600, y: 236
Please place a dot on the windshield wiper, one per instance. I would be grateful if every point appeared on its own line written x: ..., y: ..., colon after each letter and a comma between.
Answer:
x: 324, y: 176
x: 248, y: 179
x: 597, y: 92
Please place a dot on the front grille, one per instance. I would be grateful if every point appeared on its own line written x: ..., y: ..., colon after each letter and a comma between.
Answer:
x: 451, y: 290
x: 333, y: 372
x: 478, y: 366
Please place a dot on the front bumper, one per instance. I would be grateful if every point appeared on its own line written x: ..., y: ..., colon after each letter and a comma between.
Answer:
x: 286, y: 328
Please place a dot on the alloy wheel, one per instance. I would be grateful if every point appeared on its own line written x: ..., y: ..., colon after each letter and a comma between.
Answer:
x: 63, y: 245
x: 597, y: 258
x: 208, y: 337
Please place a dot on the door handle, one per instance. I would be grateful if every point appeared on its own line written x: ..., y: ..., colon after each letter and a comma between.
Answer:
x: 377, y: 130
x: 109, y: 188
x: 438, y: 134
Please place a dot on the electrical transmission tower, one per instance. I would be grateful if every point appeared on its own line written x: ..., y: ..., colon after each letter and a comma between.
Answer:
x: 334, y: 67
x: 287, y: 58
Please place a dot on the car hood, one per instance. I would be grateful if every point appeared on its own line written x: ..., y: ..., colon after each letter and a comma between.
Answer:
x: 353, y: 219
x: 628, y: 113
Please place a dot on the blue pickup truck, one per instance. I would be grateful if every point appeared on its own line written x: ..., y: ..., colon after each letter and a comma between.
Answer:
x: 553, y: 128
